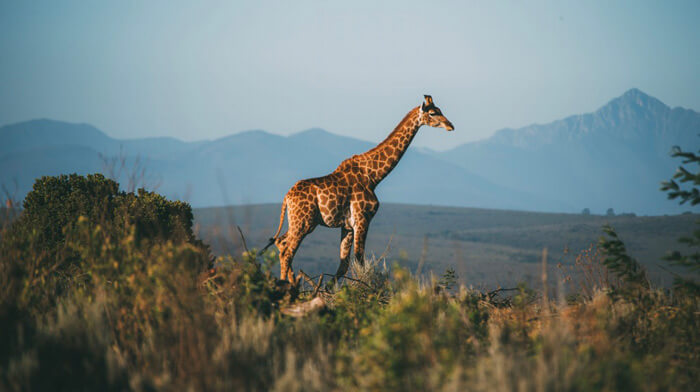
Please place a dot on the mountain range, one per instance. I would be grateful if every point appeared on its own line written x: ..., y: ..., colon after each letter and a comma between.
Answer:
x: 614, y: 158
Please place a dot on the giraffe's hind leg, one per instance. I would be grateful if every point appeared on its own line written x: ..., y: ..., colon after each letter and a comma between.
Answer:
x: 287, y: 252
x: 282, y: 244
x: 289, y: 243
x: 346, y: 236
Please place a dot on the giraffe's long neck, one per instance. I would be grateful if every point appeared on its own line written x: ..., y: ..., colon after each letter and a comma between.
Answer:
x: 381, y: 160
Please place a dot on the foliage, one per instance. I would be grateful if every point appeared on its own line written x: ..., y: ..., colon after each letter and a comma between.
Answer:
x: 55, y: 203
x: 357, y: 303
x: 62, y: 214
x: 245, y: 287
x: 690, y: 261
x: 448, y: 279
x: 631, y: 273
x: 417, y: 340
x: 682, y: 176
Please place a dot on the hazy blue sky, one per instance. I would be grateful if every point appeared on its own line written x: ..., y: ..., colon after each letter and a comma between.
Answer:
x: 201, y: 70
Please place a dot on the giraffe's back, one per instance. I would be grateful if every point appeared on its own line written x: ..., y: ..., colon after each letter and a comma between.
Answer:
x: 327, y: 196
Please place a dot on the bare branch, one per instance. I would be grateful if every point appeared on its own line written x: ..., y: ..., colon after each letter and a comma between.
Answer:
x: 245, y: 246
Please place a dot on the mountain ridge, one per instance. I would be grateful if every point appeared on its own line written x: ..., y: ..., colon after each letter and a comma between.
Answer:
x: 631, y: 94
x: 608, y: 114
x: 596, y: 160
x: 619, y: 149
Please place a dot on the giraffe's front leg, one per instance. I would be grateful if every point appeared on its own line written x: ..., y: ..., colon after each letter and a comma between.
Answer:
x: 362, y: 211
x: 346, y: 236
x: 361, y: 228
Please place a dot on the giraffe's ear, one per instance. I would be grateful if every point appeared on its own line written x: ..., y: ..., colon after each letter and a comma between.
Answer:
x: 428, y: 100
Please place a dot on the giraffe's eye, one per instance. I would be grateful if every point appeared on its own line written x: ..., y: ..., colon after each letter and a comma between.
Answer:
x: 431, y: 113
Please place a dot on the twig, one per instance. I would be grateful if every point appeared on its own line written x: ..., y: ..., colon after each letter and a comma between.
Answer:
x: 388, y: 246
x: 318, y: 286
x: 669, y: 271
x: 307, y: 278
x: 272, y: 241
x: 353, y: 279
x: 312, y: 292
x: 245, y: 246
x: 545, y: 287
x: 229, y: 207
x: 423, y: 255
x: 493, y: 293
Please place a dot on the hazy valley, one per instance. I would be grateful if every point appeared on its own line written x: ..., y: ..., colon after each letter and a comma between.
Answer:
x: 487, y: 248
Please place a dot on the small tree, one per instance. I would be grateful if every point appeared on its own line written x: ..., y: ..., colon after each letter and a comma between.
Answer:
x: 586, y: 211
x: 610, y: 212
x: 76, y: 230
x: 625, y: 267
x: 691, y: 195
x: 55, y: 204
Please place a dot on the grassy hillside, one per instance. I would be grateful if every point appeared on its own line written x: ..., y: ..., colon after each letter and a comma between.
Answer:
x: 102, y: 289
x: 486, y: 247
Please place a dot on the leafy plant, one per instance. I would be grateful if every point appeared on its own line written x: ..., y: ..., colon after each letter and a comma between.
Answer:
x: 630, y: 272
x: 448, y: 279
x: 683, y: 176
x: 56, y: 203
x: 47, y: 245
x: 692, y: 196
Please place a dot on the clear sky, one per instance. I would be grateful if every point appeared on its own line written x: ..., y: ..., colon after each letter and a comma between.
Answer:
x: 201, y: 70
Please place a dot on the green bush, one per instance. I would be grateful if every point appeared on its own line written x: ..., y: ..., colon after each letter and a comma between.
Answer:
x: 56, y: 203
x: 37, y: 246
x: 690, y: 195
x: 417, y: 340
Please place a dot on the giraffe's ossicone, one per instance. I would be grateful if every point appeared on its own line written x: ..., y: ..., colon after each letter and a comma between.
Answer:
x: 345, y: 198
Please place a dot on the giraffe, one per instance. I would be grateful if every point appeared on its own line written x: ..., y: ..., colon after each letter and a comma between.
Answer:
x: 345, y: 198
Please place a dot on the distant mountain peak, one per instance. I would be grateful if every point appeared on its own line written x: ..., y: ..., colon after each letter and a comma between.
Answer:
x: 251, y: 134
x: 636, y: 98
x: 634, y: 115
x: 312, y: 132
x: 634, y: 93
x: 43, y: 124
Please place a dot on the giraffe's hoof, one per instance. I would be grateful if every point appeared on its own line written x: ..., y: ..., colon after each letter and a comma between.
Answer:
x: 285, y: 288
x: 283, y: 284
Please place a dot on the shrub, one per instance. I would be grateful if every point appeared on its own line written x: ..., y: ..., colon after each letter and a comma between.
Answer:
x: 416, y: 341
x: 56, y: 203
x: 674, y: 189
x: 41, y: 260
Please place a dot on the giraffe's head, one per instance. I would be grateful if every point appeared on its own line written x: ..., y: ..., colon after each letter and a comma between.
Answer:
x: 431, y: 115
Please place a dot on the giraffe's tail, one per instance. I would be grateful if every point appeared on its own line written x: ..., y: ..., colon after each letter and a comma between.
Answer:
x: 279, y: 228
